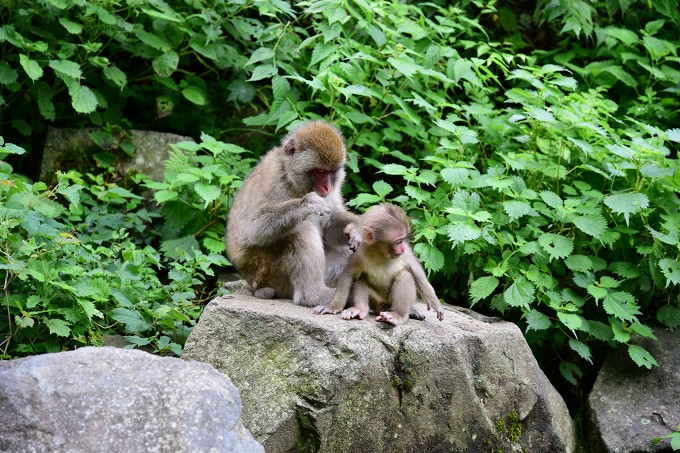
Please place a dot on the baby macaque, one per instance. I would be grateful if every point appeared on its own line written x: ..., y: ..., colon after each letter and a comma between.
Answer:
x: 383, y: 272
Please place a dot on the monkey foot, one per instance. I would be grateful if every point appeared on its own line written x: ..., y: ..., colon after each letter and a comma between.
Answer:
x: 324, y: 310
x: 264, y: 293
x: 354, y: 312
x: 391, y: 318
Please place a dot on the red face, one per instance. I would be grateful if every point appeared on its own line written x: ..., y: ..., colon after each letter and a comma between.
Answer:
x: 322, y: 181
x: 398, y: 247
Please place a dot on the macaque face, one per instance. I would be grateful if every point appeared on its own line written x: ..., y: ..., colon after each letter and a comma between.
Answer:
x: 323, y: 181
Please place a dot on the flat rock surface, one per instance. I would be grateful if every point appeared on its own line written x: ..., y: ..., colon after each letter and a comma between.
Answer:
x: 317, y: 382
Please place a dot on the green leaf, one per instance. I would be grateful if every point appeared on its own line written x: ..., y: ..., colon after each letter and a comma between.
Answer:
x: 133, y: 320
x: 71, y: 27
x: 578, y: 263
x: 264, y: 71
x: 593, y: 225
x: 537, y: 320
x: 164, y: 65
x: 195, y: 95
x: 31, y: 67
x: 260, y: 54
x: 431, y: 257
x: 382, y: 188
x: 627, y: 203
x: 621, y: 75
x: 520, y: 293
x: 555, y: 245
x: 116, y: 76
x: 641, y: 357
x: 482, y: 288
x: 462, y: 232
x: 58, y: 327
x: 571, y: 320
x: 66, y: 68
x: 156, y: 41
x: 622, y: 305
x: 394, y: 169
x: 551, y: 199
x: 364, y: 199
x: 673, y: 135
x: 404, y: 64
x: 571, y: 372
x: 669, y: 316
x: 89, y: 309
x: 517, y: 209
x: 207, y: 192
x: 83, y: 99
x: 7, y: 74
x: 643, y: 330
x: 671, y: 270
x: 163, y: 196
x: 618, y: 329
x: 581, y: 349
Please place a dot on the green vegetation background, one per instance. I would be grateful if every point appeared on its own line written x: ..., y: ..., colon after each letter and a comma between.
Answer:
x: 534, y: 145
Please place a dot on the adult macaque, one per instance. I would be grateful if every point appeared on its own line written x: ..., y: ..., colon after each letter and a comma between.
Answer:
x: 285, y: 232
x: 383, y: 272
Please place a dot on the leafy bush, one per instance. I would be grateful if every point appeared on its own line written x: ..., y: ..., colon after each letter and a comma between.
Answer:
x: 80, y: 260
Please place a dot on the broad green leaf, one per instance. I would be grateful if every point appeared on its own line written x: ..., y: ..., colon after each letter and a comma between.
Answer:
x: 621, y: 75
x: 260, y: 54
x: 195, y: 95
x: 600, y: 330
x: 462, y: 69
x: 593, y: 225
x: 643, y: 330
x: 45, y: 93
x: 622, y: 305
x: 671, y: 270
x: 641, y: 356
x: 214, y: 245
x: 555, y: 245
x: 624, y: 35
x: 609, y: 282
x: 116, y: 76
x: 537, y: 320
x: 571, y: 372
x: 551, y: 199
x: 673, y: 135
x: 624, y: 269
x: 58, y: 327
x: 657, y: 48
x: 364, y: 199
x: 70, y: 26
x: 156, y: 41
x: 627, y: 203
x: 621, y: 335
x: 581, y: 349
x: 207, y: 192
x: 541, y: 115
x: 164, y: 65
x: 264, y: 71
x: 280, y: 87
x: 7, y: 74
x: 578, y: 263
x: 431, y: 257
x: 404, y: 64
x: 321, y: 52
x: 597, y: 292
x: 394, y: 169
x: 83, y: 100
x: 356, y: 117
x: 669, y: 316
x: 31, y: 67
x: 356, y: 90
x: 89, y: 309
x: 516, y: 209
x: 455, y: 176
x: 133, y: 320
x: 571, y: 320
x: 66, y: 68
x: 520, y: 293
x: 382, y: 188
x: 163, y: 196
x: 462, y: 232
x: 482, y: 288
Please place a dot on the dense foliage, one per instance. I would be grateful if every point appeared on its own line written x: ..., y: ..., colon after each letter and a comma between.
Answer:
x: 535, y: 150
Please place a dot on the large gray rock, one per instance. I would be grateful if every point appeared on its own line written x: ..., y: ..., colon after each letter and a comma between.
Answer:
x: 629, y: 406
x: 115, y: 400
x: 318, y: 383
x: 151, y: 150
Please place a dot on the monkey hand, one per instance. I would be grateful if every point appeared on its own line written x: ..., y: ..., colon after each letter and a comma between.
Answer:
x: 314, y: 204
x: 437, y: 308
x: 324, y: 310
x: 353, y: 233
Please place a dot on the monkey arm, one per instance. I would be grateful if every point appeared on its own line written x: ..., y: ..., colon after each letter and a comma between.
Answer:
x: 334, y: 230
x: 342, y: 290
x: 274, y: 221
x: 425, y: 289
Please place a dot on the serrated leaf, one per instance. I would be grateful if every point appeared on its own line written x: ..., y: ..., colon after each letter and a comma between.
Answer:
x: 555, y: 245
x: 571, y: 372
x: 213, y: 245
x: 597, y: 292
x: 66, y: 68
x: 624, y: 269
x: 669, y: 316
x: 71, y: 193
x: 280, y: 87
x: 621, y: 305
x: 83, y: 100
x: 671, y: 270
x: 133, y: 320
x: 89, y: 309
x: 571, y: 320
x: 264, y: 71
x: 581, y: 349
x: 58, y: 327
x: 207, y: 192
x: 621, y: 335
x: 459, y: 233
x: 551, y: 199
x: 600, y: 330
x: 537, y: 320
x: 673, y: 135
x: 643, y: 330
x: 382, y: 188
x: 195, y: 95
x: 321, y: 52
x: 45, y: 105
x: 516, y: 209
x: 356, y: 90
x: 7, y: 74
x: 404, y: 64
x: 260, y: 54
x: 627, y: 203
x: 31, y: 67
x: 165, y: 64
x: 520, y: 293
x: 541, y: 115
x: 152, y: 40
x: 641, y: 356
x: 364, y: 199
x: 578, y: 263
x: 593, y: 225
x: 163, y: 196
x: 115, y: 75
x: 482, y: 288
x: 455, y: 176
x: 430, y: 256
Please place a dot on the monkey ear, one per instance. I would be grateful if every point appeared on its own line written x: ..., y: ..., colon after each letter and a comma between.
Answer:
x: 368, y: 234
x: 289, y: 146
